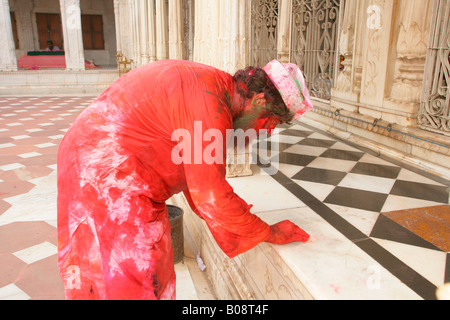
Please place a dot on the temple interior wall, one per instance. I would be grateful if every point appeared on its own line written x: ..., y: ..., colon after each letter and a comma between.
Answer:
x: 378, y: 92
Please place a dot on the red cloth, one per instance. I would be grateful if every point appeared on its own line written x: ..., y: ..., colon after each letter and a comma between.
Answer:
x: 115, y: 173
x: 45, y: 62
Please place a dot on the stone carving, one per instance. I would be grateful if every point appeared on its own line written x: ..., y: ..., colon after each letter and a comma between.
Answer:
x: 434, y: 114
x: 373, y: 53
x: 411, y: 52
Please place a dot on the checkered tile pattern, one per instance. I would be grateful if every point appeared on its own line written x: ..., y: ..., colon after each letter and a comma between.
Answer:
x: 332, y: 177
x: 337, y: 179
x: 340, y: 174
x: 30, y: 131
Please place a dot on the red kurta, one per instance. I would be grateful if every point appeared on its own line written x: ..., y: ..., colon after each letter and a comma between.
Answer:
x: 115, y: 172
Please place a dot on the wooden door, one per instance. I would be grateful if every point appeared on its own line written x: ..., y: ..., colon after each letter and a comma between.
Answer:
x: 49, y: 28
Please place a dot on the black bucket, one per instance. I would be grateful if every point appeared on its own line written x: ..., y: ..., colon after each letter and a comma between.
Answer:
x: 176, y: 225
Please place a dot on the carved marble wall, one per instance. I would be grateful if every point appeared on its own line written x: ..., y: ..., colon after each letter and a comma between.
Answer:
x: 384, y: 43
x: 434, y: 113
x: 377, y: 95
x: 389, y: 48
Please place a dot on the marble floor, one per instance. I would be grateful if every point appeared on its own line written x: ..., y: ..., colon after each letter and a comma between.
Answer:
x: 30, y: 131
x: 374, y: 223
x: 379, y: 229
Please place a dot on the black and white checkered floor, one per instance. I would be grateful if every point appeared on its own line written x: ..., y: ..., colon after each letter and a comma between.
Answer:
x: 372, y: 201
x: 349, y: 200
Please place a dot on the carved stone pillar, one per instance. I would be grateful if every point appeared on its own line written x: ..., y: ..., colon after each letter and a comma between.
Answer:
x: 152, y: 30
x: 284, y: 34
x: 198, y: 34
x: 142, y: 7
x: 346, y: 92
x: 244, y: 34
x: 235, y: 36
x: 222, y: 33
x: 239, y: 161
x: 136, y: 32
x: 221, y: 40
x: 142, y: 32
x: 188, y: 29
x: 347, y: 41
x: 176, y: 29
x: 73, y: 39
x: 23, y: 9
x: 359, y: 45
x: 130, y: 51
x: 123, y: 33
x: 146, y: 26
x: 118, y: 25
x: 411, y: 50
x: 8, y: 60
x: 161, y: 31
x: 376, y: 55
x: 206, y: 32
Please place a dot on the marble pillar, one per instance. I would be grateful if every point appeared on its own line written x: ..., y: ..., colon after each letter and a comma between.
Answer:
x: 161, y: 31
x: 73, y: 38
x: 8, y: 60
x: 176, y: 29
x: 151, y: 25
x: 408, y: 62
x: 23, y: 11
x: 141, y: 22
x: 284, y: 35
x: 346, y: 92
x: 134, y: 7
x: 376, y: 53
x: 222, y: 34
x: 118, y: 25
x: 144, y: 28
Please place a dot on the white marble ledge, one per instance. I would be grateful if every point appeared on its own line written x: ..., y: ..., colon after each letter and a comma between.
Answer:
x: 332, y: 267
x: 263, y: 192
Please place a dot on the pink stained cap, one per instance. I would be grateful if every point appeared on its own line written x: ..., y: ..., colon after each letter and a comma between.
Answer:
x: 289, y: 81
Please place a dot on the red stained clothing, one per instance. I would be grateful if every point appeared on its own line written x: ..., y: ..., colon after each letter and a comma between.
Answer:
x: 115, y: 172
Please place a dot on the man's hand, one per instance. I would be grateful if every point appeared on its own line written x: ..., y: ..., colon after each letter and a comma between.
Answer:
x: 286, y: 232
